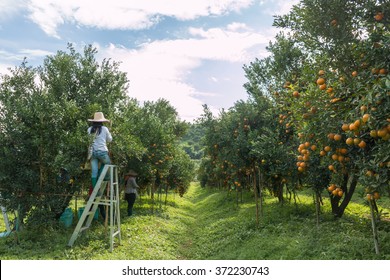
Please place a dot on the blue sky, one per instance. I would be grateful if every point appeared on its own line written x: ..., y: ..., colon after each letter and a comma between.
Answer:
x: 188, y: 52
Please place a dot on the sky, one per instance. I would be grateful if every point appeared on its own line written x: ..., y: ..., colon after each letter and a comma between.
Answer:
x: 188, y: 52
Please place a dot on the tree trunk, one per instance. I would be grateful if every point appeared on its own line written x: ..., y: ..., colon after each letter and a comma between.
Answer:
x: 374, y: 228
x: 348, y: 187
x: 256, y: 196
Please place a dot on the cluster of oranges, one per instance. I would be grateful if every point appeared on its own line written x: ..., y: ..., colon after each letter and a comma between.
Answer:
x: 335, y: 190
x: 304, y: 149
x: 373, y: 196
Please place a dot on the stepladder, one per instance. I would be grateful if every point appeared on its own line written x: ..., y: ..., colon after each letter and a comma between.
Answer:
x: 105, y: 192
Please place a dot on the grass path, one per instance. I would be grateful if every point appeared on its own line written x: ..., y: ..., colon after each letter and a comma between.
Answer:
x: 207, y: 224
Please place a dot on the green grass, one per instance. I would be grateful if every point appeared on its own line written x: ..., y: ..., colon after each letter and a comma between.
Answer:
x: 207, y: 224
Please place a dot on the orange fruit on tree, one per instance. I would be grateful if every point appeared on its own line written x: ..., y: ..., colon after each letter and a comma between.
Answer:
x: 320, y: 81
x: 352, y: 127
x: 307, y: 144
x: 379, y: 16
x: 331, y: 167
x: 362, y: 144
x: 373, y: 133
x: 356, y: 141
x: 327, y: 148
x: 363, y: 108
x: 340, y: 158
x: 357, y: 123
x: 376, y: 195
x: 354, y: 73
x: 322, y: 153
x: 329, y: 90
x: 340, y: 193
x: 333, y: 22
x: 337, y: 137
x: 313, y: 147
x: 335, y: 192
x: 300, y: 169
x: 296, y: 94
x: 344, y: 151
x: 335, y: 157
x: 382, y: 71
x: 345, y: 127
x: 321, y: 72
x: 332, y: 187
x: 365, y: 118
x: 322, y: 87
x: 382, y: 133
x: 331, y: 136
x: 349, y: 141
x: 369, y: 196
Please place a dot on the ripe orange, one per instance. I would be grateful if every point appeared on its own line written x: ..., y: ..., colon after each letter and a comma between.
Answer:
x: 376, y: 195
x: 363, y: 108
x: 340, y: 193
x: 331, y: 167
x: 354, y: 73
x: 373, y: 133
x: 320, y: 81
x: 313, y: 147
x: 300, y: 169
x: 296, y: 94
x: 337, y: 137
x: 352, y: 127
x: 321, y: 72
x: 365, y: 118
x: 332, y: 187
x: 340, y: 158
x: 378, y: 16
x: 335, y: 192
x: 322, y: 87
x: 327, y: 148
x: 333, y: 22
x: 322, y: 153
x: 307, y: 144
x: 345, y: 127
x: 349, y: 141
x: 343, y: 151
x: 357, y: 123
x: 335, y: 157
x: 329, y: 90
x: 362, y: 144
x: 356, y: 141
x: 383, y: 71
x: 382, y: 133
x: 331, y: 136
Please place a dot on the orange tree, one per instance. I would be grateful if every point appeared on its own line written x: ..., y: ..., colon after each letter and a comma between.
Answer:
x: 43, y: 129
x: 328, y: 77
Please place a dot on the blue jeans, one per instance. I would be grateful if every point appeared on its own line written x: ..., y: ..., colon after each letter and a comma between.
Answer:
x: 97, y: 156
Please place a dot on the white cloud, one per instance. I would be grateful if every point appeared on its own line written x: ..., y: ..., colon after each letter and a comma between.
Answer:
x: 9, y: 8
x: 123, y: 14
x: 278, y: 7
x: 159, y: 69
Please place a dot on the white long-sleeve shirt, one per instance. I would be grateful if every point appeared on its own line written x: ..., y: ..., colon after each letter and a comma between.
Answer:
x: 101, y: 140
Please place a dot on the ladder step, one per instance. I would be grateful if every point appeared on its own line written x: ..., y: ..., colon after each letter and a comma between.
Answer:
x: 115, y: 233
x: 83, y: 228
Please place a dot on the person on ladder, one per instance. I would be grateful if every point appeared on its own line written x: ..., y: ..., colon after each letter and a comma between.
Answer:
x: 130, y: 190
x: 99, y: 148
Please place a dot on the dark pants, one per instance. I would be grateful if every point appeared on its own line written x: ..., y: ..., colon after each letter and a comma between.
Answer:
x: 130, y: 198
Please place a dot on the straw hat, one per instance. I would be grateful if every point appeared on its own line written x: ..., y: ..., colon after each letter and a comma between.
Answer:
x: 98, y: 117
x: 131, y: 172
